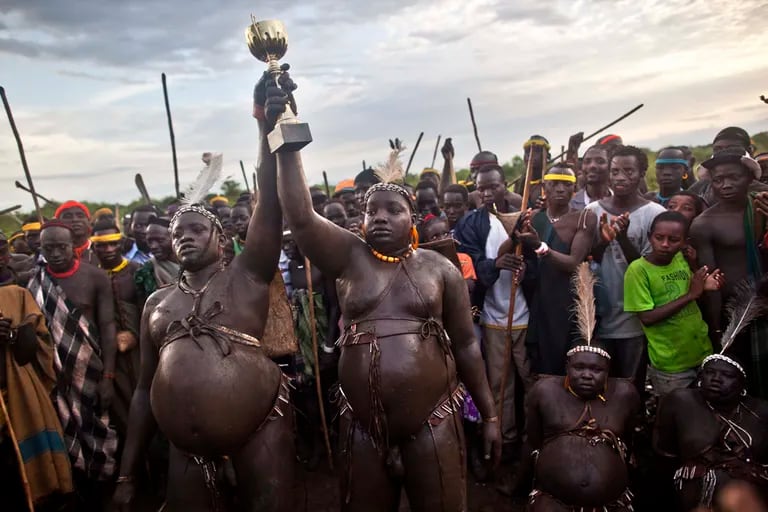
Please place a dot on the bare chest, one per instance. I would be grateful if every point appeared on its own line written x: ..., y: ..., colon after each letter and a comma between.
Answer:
x: 81, y: 293
x: 573, y: 414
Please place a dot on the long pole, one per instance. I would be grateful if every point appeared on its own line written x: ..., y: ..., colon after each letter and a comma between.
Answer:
x: 474, y: 124
x: 313, y: 328
x: 245, y: 178
x: 413, y: 153
x: 19, y: 458
x: 20, y: 186
x: 10, y: 210
x: 434, y: 154
x: 602, y: 129
x: 173, y: 138
x: 325, y: 182
x: 512, y: 296
x: 21, y: 153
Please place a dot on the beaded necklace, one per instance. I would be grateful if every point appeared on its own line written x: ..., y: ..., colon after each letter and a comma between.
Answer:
x: 121, y: 266
x: 391, y: 259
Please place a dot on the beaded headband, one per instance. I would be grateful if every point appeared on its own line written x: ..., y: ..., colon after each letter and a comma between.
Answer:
x: 390, y: 173
x: 195, y: 208
x: 390, y: 187
x: 726, y: 359
x: 589, y: 348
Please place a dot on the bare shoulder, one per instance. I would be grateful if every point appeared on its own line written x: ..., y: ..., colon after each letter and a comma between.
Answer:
x: 758, y: 406
x: 676, y: 398
x: 157, y: 297
x: 624, y: 389
x: 94, y: 273
x: 439, y: 264
x: 545, y: 388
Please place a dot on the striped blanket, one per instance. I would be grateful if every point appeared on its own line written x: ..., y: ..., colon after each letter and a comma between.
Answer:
x: 89, y: 438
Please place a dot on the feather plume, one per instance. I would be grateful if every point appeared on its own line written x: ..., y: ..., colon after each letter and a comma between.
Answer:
x: 392, y: 171
x: 583, y: 286
x: 206, y: 179
x: 745, y: 306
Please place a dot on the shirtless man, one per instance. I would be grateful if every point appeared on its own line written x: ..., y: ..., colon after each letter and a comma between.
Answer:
x: 76, y: 299
x: 562, y: 237
x: 408, y: 339
x: 483, y: 159
x: 725, y: 236
x: 205, y: 381
x: 77, y: 217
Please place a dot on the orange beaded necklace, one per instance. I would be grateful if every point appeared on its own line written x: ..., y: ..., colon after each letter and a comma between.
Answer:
x: 391, y: 259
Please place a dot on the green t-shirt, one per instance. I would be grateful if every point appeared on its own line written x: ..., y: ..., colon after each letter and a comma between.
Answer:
x: 681, y: 341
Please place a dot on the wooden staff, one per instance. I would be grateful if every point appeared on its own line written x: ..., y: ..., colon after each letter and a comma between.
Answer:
x: 474, y: 124
x: 413, y: 153
x: 313, y: 327
x: 325, y: 182
x: 14, y: 440
x: 9, y: 210
x: 255, y: 183
x: 142, y: 188
x: 245, y: 178
x: 512, y: 296
x: 602, y: 129
x: 434, y: 154
x: 21, y: 154
x: 173, y: 138
x: 25, y: 189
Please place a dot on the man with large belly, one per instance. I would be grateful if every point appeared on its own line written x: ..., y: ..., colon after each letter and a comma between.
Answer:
x: 577, y: 425
x: 204, y: 379
x: 407, y: 341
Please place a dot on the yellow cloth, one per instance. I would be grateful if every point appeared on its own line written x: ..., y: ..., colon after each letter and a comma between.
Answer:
x: 32, y: 226
x: 216, y: 199
x: 559, y: 177
x: 31, y: 413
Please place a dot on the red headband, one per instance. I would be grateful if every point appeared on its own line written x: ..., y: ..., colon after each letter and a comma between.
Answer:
x: 429, y: 217
x: 607, y: 139
x: 72, y: 204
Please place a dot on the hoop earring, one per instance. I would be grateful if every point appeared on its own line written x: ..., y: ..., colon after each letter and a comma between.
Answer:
x: 743, y: 392
x: 698, y: 384
x: 414, y: 238
x: 566, y: 382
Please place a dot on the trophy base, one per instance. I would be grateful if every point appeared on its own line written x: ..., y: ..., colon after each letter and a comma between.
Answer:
x: 289, y: 137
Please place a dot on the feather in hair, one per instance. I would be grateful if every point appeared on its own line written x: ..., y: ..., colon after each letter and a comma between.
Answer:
x: 583, y: 285
x: 392, y: 171
x: 206, y: 179
x: 745, y: 306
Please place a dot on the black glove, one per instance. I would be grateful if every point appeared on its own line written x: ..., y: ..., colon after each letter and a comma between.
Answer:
x: 262, y: 95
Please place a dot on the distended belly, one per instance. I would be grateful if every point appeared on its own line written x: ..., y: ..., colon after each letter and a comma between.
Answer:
x: 413, y: 375
x: 208, y: 404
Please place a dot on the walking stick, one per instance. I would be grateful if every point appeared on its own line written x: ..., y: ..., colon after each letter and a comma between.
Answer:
x: 245, y: 178
x: 173, y: 138
x: 434, y: 154
x: 602, y: 129
x: 313, y: 326
x: 512, y: 295
x: 15, y: 441
x: 25, y: 189
x: 325, y: 181
x: 474, y: 124
x: 9, y: 210
x: 413, y: 153
x: 21, y: 154
x: 142, y: 188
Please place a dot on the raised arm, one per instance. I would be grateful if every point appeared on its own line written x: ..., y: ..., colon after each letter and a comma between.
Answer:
x: 448, y: 176
x: 261, y: 254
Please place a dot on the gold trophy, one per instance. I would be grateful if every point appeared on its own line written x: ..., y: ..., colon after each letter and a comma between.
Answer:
x: 268, y: 42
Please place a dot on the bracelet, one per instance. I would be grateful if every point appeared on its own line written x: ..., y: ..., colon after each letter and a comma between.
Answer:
x: 327, y: 349
x: 542, y: 250
x: 108, y: 375
x: 124, y: 479
x: 492, y: 419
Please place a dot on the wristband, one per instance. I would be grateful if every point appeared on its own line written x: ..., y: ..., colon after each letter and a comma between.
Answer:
x: 542, y: 250
x: 327, y: 349
x: 108, y: 375
x: 124, y: 479
x: 493, y: 419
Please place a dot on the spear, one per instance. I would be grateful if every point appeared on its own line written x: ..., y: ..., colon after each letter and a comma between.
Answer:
x: 434, y: 154
x: 602, y: 129
x: 474, y: 124
x: 21, y: 153
x: 325, y: 182
x: 25, y: 189
x: 245, y: 178
x: 173, y: 138
x: 9, y: 210
x: 413, y: 153
x: 142, y: 188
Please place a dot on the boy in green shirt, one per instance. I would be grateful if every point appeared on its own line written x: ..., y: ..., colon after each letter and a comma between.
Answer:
x: 662, y: 290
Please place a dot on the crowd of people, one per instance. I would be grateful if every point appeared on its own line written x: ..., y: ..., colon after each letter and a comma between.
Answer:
x: 606, y: 342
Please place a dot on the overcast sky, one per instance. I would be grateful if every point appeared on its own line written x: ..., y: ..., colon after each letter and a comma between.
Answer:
x: 83, y: 79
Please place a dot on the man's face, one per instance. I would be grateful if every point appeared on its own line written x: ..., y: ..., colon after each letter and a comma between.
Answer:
x: 388, y: 222
x: 109, y: 253
x: 595, y: 166
x: 290, y: 248
x: 538, y: 154
x: 335, y: 213
x: 720, y: 145
x: 196, y: 242
x: 139, y: 228
x: 559, y: 192
x: 33, y: 239
x: 670, y: 175
x: 764, y: 168
x: 721, y: 382
x: 224, y: 212
x: 684, y: 205
x: 667, y: 239
x: 436, y: 230
x: 360, y: 190
x: 454, y: 206
x: 56, y: 248
x: 490, y: 184
x: 77, y: 221
x: 350, y: 204
x: 625, y: 175
x: 228, y: 226
x: 730, y: 182
x: 240, y: 218
x: 318, y: 201
x: 159, y: 242
x: 426, y: 201
x: 587, y: 374
x: 432, y: 178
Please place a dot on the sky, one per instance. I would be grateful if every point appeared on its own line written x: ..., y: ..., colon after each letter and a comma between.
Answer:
x: 83, y: 80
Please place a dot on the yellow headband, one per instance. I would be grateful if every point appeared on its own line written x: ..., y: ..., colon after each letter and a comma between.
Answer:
x: 536, y: 142
x: 218, y: 198
x: 105, y: 239
x: 560, y: 177
x: 32, y: 226
x: 15, y: 237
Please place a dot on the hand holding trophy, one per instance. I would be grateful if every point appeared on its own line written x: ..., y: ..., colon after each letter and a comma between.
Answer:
x: 268, y: 42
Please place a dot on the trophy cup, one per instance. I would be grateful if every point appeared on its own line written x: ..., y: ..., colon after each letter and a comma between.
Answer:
x: 268, y: 42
